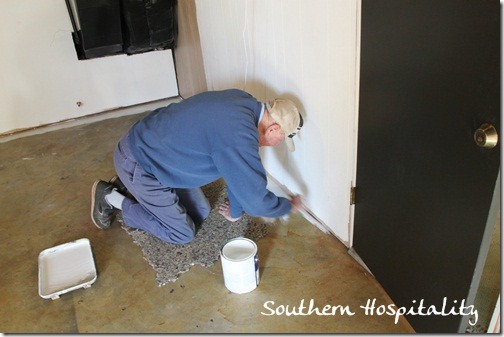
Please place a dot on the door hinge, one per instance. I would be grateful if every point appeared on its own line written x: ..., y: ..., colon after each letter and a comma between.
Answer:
x: 352, y: 195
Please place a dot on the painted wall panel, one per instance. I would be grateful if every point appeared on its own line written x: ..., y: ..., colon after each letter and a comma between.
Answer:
x: 304, y: 50
x: 42, y: 79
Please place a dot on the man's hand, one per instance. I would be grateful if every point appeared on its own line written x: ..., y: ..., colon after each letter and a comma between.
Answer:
x: 226, y: 212
x: 296, y: 202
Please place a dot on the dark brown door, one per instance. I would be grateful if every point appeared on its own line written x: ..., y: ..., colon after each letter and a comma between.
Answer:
x: 430, y: 76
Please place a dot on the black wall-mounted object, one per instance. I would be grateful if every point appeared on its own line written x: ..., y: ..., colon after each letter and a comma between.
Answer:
x: 100, y: 31
x: 111, y: 27
x: 149, y: 25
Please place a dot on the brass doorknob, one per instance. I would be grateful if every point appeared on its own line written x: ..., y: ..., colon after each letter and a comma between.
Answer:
x: 486, y: 136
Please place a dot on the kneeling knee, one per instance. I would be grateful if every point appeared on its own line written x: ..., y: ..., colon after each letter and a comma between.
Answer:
x: 206, y: 213
x: 184, y: 236
x: 185, y: 240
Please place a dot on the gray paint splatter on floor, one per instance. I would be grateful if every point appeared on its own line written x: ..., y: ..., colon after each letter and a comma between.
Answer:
x: 169, y: 260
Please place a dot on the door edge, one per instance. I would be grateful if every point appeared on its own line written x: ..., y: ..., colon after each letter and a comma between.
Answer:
x: 355, y: 128
x: 484, y: 248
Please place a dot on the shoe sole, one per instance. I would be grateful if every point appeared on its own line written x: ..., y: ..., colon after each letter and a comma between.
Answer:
x: 93, y: 191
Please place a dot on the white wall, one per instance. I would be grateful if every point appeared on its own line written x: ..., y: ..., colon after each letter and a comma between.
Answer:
x: 42, y: 80
x: 305, y: 50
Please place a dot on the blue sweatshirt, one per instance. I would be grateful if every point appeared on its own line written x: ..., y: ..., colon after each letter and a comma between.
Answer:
x: 203, y: 138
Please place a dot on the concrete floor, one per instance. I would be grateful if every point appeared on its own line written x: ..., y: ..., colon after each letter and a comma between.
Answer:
x: 46, y: 181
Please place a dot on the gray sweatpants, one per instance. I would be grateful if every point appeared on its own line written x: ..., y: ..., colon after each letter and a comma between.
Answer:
x: 167, y: 213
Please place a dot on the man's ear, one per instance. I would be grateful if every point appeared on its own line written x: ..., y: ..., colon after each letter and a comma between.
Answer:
x: 273, y: 128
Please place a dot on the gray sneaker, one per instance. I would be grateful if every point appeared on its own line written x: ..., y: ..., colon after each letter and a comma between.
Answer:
x: 118, y: 184
x: 102, y: 213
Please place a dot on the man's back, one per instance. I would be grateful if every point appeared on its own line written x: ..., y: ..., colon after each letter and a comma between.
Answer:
x: 177, y: 143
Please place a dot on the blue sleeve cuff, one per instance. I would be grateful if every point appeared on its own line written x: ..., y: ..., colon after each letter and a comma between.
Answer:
x: 234, y: 206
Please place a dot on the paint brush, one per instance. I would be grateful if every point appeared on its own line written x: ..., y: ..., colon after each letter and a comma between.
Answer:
x: 304, y: 210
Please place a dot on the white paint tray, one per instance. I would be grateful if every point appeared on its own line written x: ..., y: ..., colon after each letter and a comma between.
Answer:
x: 65, y: 268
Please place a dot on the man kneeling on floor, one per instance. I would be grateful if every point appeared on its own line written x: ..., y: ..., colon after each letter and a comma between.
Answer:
x: 164, y: 159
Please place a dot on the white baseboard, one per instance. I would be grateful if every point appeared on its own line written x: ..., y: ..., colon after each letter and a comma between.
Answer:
x: 125, y: 111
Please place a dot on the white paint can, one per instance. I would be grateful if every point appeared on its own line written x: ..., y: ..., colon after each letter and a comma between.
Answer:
x: 240, y: 265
